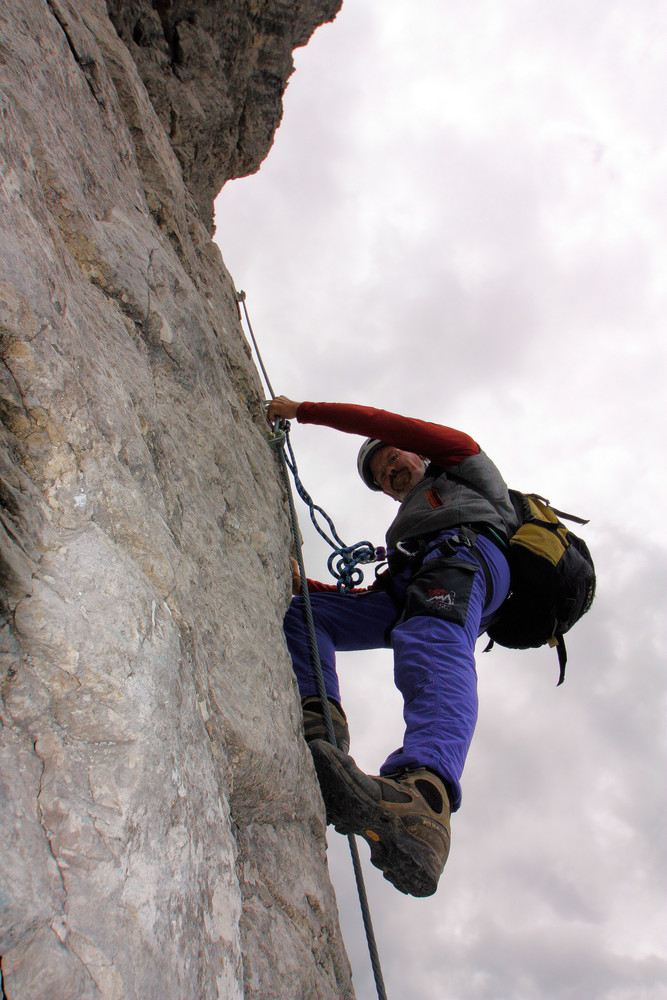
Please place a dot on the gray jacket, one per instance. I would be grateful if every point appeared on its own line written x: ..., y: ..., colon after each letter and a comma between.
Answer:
x: 443, y: 499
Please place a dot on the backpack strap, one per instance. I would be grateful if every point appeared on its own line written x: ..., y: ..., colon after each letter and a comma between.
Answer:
x: 559, y: 642
x: 560, y: 513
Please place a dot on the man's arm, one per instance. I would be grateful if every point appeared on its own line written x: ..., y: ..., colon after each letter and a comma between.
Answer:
x: 443, y: 445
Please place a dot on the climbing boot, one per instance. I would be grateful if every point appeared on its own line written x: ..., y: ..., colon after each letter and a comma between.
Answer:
x: 314, y: 726
x: 404, y: 817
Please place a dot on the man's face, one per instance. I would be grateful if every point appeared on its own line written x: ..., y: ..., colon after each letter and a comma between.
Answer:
x: 396, y: 471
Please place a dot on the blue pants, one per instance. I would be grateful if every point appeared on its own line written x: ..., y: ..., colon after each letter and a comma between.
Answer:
x: 434, y: 651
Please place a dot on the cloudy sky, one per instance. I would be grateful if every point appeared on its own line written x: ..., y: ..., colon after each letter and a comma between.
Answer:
x: 463, y: 219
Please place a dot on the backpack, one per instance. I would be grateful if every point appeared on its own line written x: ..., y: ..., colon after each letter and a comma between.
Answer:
x: 552, y: 579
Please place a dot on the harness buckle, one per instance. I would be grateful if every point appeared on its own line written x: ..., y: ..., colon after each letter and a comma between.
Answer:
x: 400, y: 547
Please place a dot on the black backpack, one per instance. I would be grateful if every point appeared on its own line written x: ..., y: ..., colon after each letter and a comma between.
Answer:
x: 552, y: 579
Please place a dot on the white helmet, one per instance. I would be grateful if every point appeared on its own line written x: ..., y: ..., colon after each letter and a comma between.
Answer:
x: 366, y: 452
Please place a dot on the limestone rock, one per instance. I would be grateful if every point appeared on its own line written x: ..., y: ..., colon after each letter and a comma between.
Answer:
x: 216, y: 74
x: 162, y: 830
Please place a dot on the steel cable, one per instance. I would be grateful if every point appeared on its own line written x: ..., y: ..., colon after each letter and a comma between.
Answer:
x: 348, y: 575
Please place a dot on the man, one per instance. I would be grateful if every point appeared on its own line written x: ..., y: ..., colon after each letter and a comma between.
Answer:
x: 447, y: 578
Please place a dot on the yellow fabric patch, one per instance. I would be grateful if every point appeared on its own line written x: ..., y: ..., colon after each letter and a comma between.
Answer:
x: 542, y: 543
x: 548, y: 544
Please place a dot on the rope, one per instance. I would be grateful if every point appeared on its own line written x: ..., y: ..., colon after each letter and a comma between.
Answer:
x: 349, y: 557
x: 331, y: 736
x: 240, y: 297
x: 344, y: 561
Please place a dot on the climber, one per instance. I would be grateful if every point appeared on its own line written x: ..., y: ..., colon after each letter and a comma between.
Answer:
x: 446, y: 578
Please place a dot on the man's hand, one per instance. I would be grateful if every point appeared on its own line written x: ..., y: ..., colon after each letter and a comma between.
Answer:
x: 296, y: 576
x: 283, y: 407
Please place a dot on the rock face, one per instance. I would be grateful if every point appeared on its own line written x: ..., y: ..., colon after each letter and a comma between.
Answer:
x: 216, y: 73
x: 162, y: 830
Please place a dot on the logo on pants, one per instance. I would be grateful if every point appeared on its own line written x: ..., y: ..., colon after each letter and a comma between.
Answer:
x: 442, y: 600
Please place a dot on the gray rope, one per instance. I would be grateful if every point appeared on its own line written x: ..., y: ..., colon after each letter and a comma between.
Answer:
x: 279, y: 439
x: 240, y: 297
x: 331, y: 736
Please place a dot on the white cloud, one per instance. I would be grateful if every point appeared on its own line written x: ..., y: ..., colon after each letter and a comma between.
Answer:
x: 462, y: 219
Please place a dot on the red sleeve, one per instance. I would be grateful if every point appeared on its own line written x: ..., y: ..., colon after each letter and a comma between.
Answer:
x: 316, y: 587
x: 440, y: 444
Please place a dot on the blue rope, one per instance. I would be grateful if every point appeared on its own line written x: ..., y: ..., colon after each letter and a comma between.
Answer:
x: 345, y: 560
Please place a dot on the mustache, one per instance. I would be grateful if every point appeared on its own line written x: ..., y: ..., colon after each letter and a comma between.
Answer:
x: 395, y: 476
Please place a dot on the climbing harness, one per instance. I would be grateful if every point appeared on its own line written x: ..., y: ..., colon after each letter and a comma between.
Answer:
x: 346, y: 570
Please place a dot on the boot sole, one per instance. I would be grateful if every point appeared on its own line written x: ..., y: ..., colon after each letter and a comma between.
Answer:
x: 354, y: 805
